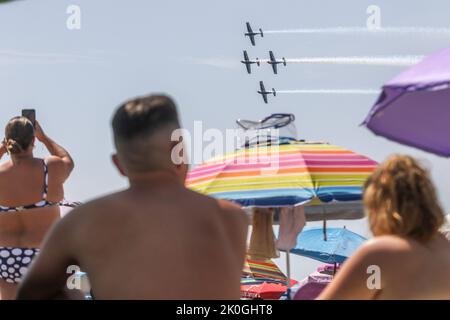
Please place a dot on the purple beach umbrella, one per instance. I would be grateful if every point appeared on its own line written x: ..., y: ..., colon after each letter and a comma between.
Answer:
x: 414, y: 107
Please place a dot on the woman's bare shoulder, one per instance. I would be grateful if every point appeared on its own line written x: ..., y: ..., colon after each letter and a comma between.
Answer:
x: 390, y: 251
x: 388, y: 242
x: 385, y: 248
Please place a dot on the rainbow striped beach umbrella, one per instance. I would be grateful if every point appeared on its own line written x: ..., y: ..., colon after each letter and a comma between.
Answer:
x: 263, y: 279
x: 290, y: 174
x: 266, y: 269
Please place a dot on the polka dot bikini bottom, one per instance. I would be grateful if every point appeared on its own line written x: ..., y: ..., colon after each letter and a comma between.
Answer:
x: 14, y: 263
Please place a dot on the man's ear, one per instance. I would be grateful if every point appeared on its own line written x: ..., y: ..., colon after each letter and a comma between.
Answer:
x: 116, y: 161
x: 179, y: 159
x: 182, y: 171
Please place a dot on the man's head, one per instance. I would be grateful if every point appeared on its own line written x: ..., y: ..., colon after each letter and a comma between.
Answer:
x: 142, y: 135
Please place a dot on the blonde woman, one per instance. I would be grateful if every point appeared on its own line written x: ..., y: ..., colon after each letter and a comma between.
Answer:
x: 408, y: 258
x: 30, y: 190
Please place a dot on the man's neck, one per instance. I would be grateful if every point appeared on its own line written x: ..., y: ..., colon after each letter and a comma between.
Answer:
x: 150, y: 179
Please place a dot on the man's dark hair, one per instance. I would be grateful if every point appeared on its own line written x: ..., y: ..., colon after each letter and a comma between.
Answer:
x: 143, y: 116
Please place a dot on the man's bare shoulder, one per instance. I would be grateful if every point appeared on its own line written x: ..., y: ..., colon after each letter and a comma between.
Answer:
x: 228, y: 208
x: 236, y: 222
x: 233, y: 212
x: 92, y: 211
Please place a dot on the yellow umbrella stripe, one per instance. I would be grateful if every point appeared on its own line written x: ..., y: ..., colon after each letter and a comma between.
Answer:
x: 212, y: 188
x: 288, y: 178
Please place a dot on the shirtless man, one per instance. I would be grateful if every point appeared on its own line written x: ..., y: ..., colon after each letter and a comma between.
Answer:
x: 154, y: 240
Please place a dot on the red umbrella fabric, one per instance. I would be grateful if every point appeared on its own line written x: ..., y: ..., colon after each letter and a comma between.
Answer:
x: 265, y: 289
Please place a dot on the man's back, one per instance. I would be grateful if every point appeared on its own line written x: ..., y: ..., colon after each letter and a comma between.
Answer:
x: 163, y: 243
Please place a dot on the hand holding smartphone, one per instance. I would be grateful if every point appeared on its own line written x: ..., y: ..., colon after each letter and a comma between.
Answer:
x: 30, y: 114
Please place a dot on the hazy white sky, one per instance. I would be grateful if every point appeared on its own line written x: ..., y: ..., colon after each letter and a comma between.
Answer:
x: 191, y: 50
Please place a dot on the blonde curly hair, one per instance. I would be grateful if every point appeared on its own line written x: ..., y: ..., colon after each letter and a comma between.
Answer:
x: 400, y: 199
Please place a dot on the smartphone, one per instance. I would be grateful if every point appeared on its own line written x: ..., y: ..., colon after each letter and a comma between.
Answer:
x: 30, y: 114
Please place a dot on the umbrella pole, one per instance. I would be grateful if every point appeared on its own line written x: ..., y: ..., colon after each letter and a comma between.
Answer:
x: 324, y: 229
x: 334, y: 269
x: 288, y: 271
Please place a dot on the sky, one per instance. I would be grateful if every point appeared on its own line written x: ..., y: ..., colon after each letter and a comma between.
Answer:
x: 191, y: 50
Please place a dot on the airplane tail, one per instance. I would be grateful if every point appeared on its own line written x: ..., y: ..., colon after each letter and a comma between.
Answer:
x: 284, y: 62
x: 261, y: 32
x: 274, y: 92
x: 257, y: 62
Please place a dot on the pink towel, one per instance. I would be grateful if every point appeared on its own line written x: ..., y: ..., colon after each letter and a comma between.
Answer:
x: 292, y: 221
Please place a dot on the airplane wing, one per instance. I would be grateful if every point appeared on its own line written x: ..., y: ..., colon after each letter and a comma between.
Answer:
x: 249, y: 29
x: 272, y: 57
x: 275, y: 69
x: 263, y: 91
x: 252, y: 39
x: 261, y: 86
x: 249, y: 68
x: 245, y: 55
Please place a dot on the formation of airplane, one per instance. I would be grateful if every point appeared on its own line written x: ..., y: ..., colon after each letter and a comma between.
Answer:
x: 274, y: 62
x: 251, y: 34
x: 249, y: 62
x: 265, y: 93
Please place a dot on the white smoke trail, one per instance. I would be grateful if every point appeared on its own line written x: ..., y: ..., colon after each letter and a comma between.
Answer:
x: 11, y: 56
x: 361, y: 60
x: 331, y: 91
x: 365, y: 30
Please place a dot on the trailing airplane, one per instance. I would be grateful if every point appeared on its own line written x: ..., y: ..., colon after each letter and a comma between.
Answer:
x: 249, y: 62
x: 252, y: 34
x: 274, y: 62
x: 265, y: 93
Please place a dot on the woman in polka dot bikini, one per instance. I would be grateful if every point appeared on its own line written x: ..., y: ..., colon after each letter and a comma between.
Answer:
x: 30, y: 191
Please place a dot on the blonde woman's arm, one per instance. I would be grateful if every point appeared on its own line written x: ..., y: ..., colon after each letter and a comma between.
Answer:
x: 60, y: 159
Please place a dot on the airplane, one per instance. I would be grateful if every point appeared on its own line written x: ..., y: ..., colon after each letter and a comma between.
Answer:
x: 252, y: 34
x: 274, y: 62
x: 264, y: 93
x: 248, y: 63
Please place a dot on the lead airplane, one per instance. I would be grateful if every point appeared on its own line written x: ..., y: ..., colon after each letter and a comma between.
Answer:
x: 252, y: 34
x: 249, y: 62
x: 274, y: 62
x: 265, y: 93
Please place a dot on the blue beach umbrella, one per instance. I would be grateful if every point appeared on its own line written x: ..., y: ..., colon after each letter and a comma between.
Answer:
x: 331, y: 245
